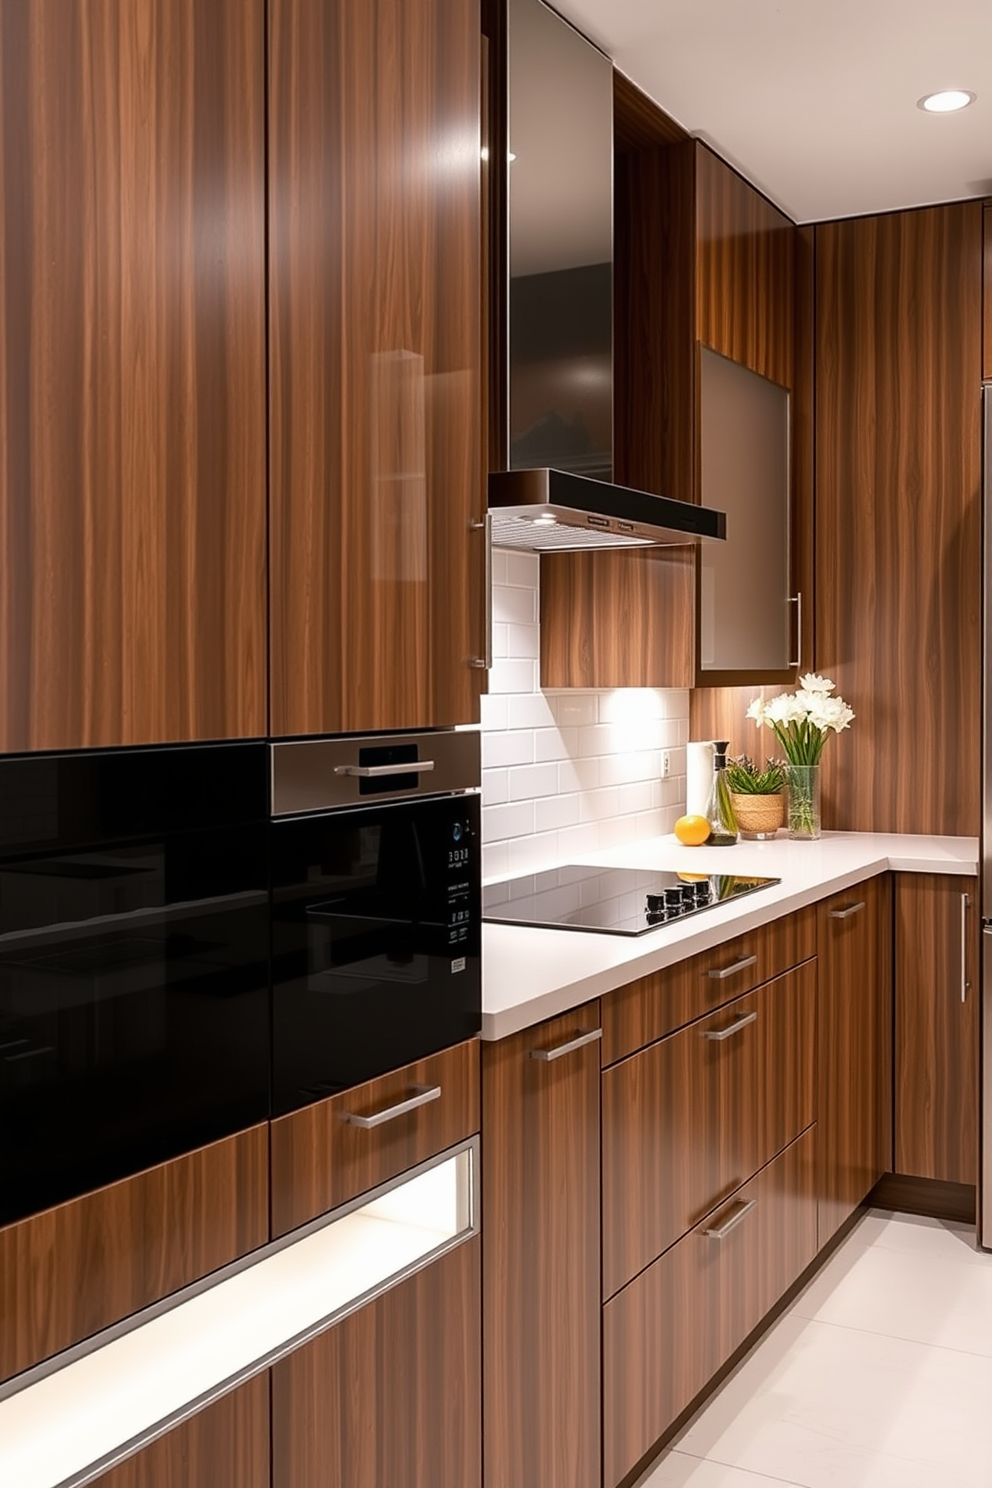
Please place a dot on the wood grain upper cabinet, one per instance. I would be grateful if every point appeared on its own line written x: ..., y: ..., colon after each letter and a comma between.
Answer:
x: 987, y: 297
x: 375, y: 346
x: 541, y: 1272
x: 132, y: 372
x: 936, y: 1023
x: 854, y: 1048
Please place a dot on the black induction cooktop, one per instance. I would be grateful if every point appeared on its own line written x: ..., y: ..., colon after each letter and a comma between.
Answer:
x: 614, y: 901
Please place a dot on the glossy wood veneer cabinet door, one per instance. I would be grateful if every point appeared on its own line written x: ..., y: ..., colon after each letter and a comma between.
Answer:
x: 375, y: 346
x: 987, y: 297
x: 80, y: 1266
x: 132, y: 372
x: 854, y: 1048
x: 691, y: 1118
x: 936, y: 1020
x: 541, y: 1258
x: 745, y: 272
x: 320, y: 1160
x: 390, y: 1397
x: 668, y: 1332
x: 898, y: 515
x: 224, y: 1446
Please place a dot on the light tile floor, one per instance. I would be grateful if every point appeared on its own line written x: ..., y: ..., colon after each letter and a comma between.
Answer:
x: 878, y: 1376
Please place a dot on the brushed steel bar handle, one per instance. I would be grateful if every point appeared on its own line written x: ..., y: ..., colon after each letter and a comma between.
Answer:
x: 425, y: 1094
x: 965, y: 984
x: 485, y: 663
x: 718, y: 1035
x: 379, y: 772
x: 586, y: 1036
x: 729, y: 971
x: 742, y: 1208
x: 797, y: 600
x: 845, y: 914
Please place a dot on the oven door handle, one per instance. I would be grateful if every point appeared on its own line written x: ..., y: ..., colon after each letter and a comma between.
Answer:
x: 424, y: 1095
x: 379, y: 772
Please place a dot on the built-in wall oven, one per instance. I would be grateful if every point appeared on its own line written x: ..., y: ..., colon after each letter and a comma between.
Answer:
x: 134, y: 978
x: 376, y: 936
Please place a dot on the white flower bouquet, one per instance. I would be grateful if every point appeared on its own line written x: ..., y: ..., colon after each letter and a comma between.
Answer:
x: 801, y: 720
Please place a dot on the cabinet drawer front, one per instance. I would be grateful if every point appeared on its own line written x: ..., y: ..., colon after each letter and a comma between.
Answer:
x: 72, y: 1270
x: 656, y: 1005
x: 327, y: 1153
x: 670, y: 1330
x: 688, y: 1120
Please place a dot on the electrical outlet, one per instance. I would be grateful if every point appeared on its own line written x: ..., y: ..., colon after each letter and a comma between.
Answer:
x: 666, y: 764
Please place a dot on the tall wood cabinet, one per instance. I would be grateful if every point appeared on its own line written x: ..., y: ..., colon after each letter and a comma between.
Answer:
x: 541, y: 1283
x: 375, y: 343
x: 132, y: 372
x: 937, y: 993
x: 898, y: 515
x: 854, y: 1048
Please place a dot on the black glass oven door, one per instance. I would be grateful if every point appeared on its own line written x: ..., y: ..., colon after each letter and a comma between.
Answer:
x: 375, y: 942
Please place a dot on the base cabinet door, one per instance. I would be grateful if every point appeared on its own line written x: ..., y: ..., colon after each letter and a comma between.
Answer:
x: 854, y: 1048
x: 389, y: 1398
x: 936, y: 1023
x: 668, y: 1332
x: 224, y: 1446
x: 541, y: 1249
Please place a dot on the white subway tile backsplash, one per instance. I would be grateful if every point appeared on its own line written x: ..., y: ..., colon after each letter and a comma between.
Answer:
x: 575, y: 708
x: 524, y: 569
x: 567, y: 773
x: 515, y: 820
x: 508, y: 747
x: 532, y: 781
x: 515, y: 606
x: 524, y: 641
x: 553, y: 812
x: 530, y: 711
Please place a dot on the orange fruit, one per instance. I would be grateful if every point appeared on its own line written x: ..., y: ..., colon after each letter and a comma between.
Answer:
x: 692, y: 830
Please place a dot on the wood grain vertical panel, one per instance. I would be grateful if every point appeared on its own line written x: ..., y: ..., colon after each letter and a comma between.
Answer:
x: 854, y: 1048
x: 392, y: 1394
x: 375, y: 395
x: 745, y: 272
x: 132, y: 372
x: 76, y: 1268
x: 898, y: 516
x: 987, y: 296
x: 541, y: 1278
x: 936, y: 1047
x: 224, y: 1446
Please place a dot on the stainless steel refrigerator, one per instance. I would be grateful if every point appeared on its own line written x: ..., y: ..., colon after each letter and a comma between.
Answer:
x: 985, y: 1175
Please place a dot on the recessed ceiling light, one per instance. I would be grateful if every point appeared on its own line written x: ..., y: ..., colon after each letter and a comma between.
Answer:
x: 946, y: 102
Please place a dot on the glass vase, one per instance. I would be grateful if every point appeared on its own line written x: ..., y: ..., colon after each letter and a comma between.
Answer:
x: 804, y: 802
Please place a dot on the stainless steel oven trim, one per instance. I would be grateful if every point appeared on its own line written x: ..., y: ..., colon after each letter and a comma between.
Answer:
x: 470, y: 1228
x: 311, y: 775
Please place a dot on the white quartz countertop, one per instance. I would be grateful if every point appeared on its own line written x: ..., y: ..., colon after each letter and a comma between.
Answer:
x: 529, y: 974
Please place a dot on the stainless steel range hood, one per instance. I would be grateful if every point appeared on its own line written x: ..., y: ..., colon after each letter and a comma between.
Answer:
x: 556, y: 511
x: 553, y: 186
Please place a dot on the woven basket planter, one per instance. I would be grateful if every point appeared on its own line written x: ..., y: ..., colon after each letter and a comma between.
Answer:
x: 759, y: 816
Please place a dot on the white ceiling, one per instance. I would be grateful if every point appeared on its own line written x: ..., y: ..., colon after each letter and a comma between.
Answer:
x: 815, y: 100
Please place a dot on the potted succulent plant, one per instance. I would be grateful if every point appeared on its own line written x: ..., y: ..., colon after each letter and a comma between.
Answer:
x: 757, y: 796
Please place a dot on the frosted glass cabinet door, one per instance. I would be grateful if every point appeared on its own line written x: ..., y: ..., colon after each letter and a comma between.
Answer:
x: 744, y: 612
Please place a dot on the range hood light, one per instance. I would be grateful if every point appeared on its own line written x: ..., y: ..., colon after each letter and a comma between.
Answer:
x: 546, y: 521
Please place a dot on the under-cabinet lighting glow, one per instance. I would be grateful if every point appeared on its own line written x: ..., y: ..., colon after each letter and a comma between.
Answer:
x: 946, y: 102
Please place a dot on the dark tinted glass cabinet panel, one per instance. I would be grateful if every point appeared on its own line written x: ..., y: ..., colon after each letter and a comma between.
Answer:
x: 133, y: 962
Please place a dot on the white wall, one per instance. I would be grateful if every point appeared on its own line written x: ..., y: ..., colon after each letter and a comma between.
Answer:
x: 566, y: 773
